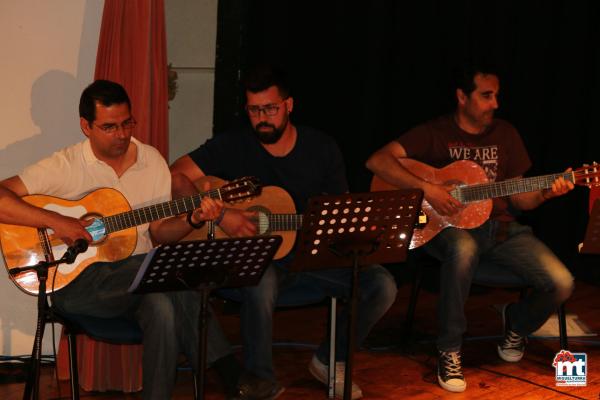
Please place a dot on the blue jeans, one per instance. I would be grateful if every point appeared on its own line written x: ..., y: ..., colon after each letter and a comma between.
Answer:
x: 377, y: 292
x: 461, y: 251
x: 169, y: 320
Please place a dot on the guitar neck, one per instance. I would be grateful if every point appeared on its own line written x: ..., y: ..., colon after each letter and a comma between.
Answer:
x: 285, y: 222
x: 484, y: 191
x: 155, y: 212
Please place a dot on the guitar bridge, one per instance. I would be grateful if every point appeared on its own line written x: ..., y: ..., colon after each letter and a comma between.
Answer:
x: 422, y: 220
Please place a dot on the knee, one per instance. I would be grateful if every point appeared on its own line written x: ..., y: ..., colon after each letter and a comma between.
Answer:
x: 157, y: 311
x: 460, y: 258
x: 464, y: 249
x: 564, y: 288
x: 382, y: 287
x: 260, y: 298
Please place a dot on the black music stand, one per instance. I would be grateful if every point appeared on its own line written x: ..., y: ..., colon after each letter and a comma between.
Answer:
x: 591, y: 242
x: 204, y: 265
x: 356, y: 229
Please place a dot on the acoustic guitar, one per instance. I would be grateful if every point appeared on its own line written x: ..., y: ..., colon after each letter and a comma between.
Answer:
x: 113, y: 230
x: 275, y: 214
x: 474, y: 191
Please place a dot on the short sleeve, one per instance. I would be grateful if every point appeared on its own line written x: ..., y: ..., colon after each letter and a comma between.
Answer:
x: 48, y: 176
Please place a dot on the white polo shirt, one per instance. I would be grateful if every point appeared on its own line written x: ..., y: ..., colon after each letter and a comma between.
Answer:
x: 74, y: 171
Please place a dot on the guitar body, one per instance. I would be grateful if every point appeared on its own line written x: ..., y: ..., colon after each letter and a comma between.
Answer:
x: 113, y: 230
x: 23, y: 246
x: 457, y: 173
x: 273, y: 200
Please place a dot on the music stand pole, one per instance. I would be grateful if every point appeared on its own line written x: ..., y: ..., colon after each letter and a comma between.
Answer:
x: 32, y: 386
x: 203, y: 334
x: 356, y: 229
x: 351, y: 329
x: 203, y: 265
x: 354, y: 252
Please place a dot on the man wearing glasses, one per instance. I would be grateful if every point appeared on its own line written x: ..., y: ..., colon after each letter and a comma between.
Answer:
x: 111, y: 157
x: 306, y: 163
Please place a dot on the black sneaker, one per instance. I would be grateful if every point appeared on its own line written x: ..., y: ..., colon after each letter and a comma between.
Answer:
x: 449, y: 371
x: 512, y: 347
x: 251, y: 387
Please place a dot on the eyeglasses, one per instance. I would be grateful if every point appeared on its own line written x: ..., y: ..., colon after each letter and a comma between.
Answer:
x: 269, y: 110
x: 112, y: 128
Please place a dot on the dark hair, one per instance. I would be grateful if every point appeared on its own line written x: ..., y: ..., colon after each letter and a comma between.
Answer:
x: 261, y: 77
x: 464, y: 77
x: 104, y: 92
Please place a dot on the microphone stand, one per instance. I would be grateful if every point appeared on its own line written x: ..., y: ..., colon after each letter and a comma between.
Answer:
x: 32, y: 386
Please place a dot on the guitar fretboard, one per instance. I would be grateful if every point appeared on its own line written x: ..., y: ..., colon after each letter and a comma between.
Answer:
x: 155, y: 212
x: 285, y: 222
x: 484, y: 191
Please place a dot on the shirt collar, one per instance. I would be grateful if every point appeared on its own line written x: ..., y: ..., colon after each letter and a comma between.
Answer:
x: 90, y: 157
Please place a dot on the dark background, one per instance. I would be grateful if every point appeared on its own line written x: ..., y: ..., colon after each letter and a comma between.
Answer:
x: 365, y: 72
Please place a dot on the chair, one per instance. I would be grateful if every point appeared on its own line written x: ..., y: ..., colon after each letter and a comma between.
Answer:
x: 122, y: 331
x: 110, y: 330
x: 489, y: 275
x: 300, y: 296
x: 113, y: 331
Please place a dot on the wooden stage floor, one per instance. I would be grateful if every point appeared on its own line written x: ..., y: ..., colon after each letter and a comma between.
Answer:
x: 397, y: 370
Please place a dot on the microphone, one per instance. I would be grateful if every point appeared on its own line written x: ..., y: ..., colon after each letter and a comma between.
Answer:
x: 79, y: 246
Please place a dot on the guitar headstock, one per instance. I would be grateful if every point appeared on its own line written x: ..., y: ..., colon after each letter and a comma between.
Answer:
x: 240, y: 189
x: 588, y: 175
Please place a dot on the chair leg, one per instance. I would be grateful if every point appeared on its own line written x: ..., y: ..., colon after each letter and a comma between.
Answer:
x: 562, y: 327
x: 332, y: 336
x: 195, y: 385
x: 412, y: 302
x: 73, y: 371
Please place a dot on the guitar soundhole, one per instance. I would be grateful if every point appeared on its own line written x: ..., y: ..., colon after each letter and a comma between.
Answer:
x: 262, y: 219
x: 92, y: 216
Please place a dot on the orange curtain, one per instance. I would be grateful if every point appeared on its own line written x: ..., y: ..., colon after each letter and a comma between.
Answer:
x: 132, y: 51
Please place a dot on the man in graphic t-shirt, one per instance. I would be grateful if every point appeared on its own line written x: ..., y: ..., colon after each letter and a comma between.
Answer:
x: 472, y: 133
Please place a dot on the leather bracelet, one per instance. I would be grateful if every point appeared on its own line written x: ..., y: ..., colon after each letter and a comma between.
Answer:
x: 192, y: 223
x: 219, y: 219
x: 544, y: 196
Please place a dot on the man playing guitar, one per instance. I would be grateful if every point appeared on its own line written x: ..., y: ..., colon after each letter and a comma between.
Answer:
x: 472, y: 133
x: 111, y: 157
x: 305, y: 163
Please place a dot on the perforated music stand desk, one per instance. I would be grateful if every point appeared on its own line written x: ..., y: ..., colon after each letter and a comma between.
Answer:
x: 204, y: 265
x: 591, y: 242
x: 353, y: 230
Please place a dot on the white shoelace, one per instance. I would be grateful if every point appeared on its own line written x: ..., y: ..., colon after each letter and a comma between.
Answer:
x: 513, y: 340
x: 451, y: 364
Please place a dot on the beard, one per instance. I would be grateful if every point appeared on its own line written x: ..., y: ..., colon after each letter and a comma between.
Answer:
x: 487, y: 118
x: 270, y: 136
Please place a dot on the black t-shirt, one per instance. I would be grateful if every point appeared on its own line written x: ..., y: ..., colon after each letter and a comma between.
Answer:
x: 313, y: 167
x: 499, y: 150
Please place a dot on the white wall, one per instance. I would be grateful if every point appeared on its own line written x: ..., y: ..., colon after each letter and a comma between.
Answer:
x: 48, y: 57
x: 191, y: 43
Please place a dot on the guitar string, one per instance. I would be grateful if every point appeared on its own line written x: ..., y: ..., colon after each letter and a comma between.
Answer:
x: 522, y: 185
x: 285, y: 222
x: 504, y: 188
x: 128, y: 219
x: 146, y: 214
